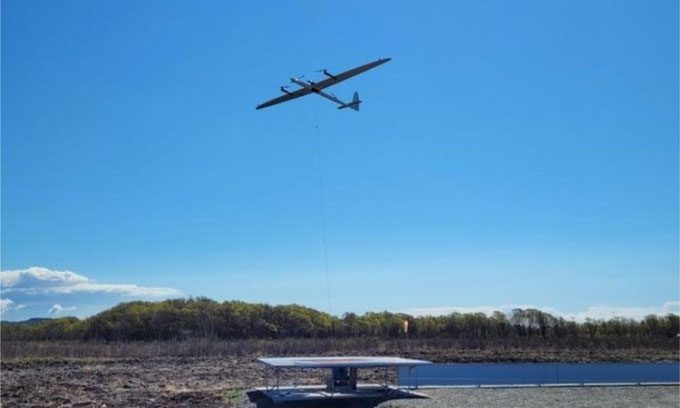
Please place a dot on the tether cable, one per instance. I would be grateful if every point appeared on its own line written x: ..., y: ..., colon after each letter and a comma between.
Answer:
x: 323, y: 210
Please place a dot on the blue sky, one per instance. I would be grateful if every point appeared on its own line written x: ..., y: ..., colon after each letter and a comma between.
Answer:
x: 512, y: 153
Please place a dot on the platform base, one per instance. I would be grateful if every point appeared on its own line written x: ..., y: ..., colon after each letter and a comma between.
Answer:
x: 366, y: 396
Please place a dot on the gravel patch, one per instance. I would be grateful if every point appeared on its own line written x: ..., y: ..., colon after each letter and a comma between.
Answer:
x: 573, y: 397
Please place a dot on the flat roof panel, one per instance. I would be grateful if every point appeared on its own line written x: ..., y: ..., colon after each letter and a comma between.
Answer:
x: 343, y: 361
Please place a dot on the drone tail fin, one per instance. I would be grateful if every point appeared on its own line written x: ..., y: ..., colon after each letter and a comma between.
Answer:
x: 354, y: 104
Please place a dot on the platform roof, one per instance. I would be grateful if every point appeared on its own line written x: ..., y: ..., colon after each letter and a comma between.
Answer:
x: 330, y: 362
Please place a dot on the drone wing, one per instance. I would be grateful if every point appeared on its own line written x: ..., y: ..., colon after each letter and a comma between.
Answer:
x: 335, y: 79
x: 285, y: 98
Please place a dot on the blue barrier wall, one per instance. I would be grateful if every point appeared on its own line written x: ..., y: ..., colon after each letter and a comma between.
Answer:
x: 538, y: 373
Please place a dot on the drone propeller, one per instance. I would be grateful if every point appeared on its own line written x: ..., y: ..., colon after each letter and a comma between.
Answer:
x: 325, y: 72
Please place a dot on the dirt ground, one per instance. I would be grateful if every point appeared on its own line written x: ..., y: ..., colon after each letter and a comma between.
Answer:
x: 155, y: 382
x: 169, y: 382
x: 214, y: 381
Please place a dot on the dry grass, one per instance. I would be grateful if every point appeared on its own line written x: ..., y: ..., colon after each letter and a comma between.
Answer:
x: 437, y: 350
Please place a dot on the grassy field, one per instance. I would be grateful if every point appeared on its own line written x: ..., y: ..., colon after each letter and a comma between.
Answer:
x: 209, y: 373
x: 436, y: 350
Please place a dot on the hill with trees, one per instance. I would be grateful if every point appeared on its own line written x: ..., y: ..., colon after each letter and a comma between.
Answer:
x: 179, y: 319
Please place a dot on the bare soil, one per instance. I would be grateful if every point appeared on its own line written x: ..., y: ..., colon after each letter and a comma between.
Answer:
x: 158, y: 382
x: 211, y: 381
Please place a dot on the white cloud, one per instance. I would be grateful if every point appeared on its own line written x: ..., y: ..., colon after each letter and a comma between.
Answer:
x: 6, y: 305
x: 57, y: 308
x: 123, y: 289
x: 33, y: 275
x: 38, y: 280
x: 592, y: 312
x: 637, y: 313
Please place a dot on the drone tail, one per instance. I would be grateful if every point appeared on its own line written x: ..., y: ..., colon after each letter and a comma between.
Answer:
x: 354, y: 104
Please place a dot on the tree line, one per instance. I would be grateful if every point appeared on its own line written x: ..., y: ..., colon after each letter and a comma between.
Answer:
x: 179, y: 319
